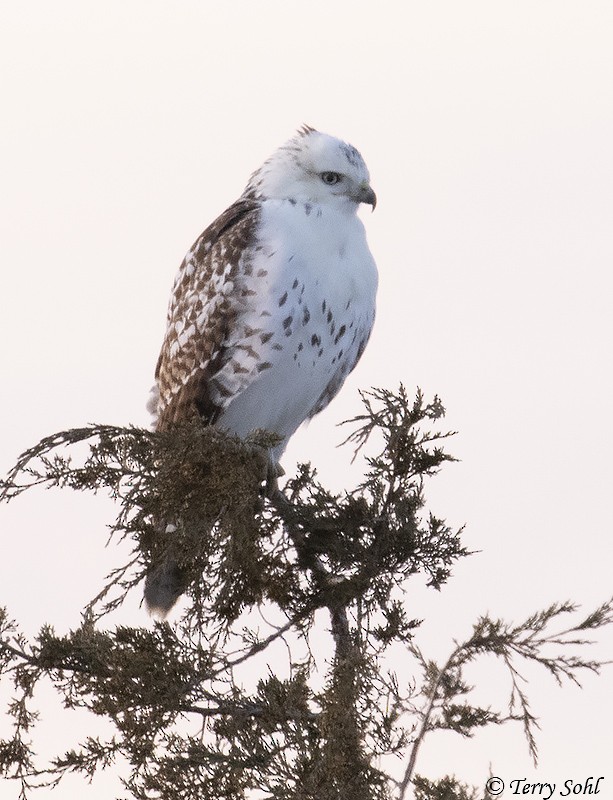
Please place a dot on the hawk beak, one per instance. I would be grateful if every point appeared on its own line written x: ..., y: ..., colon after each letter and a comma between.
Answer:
x: 366, y: 195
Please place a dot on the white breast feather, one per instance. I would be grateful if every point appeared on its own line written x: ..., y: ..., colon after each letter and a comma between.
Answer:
x: 317, y: 301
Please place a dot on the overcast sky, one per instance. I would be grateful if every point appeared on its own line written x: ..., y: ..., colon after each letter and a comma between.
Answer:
x: 487, y: 128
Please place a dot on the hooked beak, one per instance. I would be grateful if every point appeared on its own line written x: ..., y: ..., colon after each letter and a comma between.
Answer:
x: 366, y: 195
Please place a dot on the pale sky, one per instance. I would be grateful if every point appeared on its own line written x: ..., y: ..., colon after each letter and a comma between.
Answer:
x: 487, y: 128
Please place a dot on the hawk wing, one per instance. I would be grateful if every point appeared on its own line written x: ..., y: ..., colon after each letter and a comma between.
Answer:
x: 200, y: 340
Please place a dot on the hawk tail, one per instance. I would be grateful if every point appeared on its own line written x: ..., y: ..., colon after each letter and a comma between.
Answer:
x: 164, y: 584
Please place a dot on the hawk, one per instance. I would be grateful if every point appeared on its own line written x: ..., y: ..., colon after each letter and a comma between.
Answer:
x: 274, y: 303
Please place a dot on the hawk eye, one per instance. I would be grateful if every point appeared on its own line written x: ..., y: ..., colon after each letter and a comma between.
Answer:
x: 330, y: 178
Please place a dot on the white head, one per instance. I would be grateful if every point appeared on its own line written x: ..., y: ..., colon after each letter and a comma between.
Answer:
x: 317, y: 168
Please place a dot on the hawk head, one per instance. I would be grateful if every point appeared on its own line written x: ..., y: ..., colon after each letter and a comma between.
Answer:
x: 317, y: 168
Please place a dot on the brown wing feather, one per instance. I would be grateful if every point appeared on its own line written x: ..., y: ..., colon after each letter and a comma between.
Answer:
x: 200, y: 315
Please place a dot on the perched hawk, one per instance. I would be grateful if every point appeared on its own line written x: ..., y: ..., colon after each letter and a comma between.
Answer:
x: 274, y: 303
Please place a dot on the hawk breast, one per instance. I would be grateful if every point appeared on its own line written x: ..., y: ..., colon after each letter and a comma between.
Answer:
x: 310, y: 319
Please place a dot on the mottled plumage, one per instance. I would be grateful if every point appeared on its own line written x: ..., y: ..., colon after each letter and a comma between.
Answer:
x: 275, y: 301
